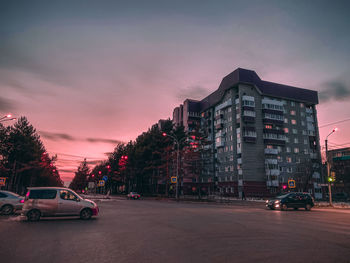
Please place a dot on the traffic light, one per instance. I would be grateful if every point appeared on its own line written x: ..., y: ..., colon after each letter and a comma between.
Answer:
x: 330, y: 179
x: 333, y: 176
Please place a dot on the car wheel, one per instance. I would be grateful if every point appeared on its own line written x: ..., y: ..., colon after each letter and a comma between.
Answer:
x: 308, y: 207
x: 33, y: 215
x: 284, y: 207
x: 7, y: 210
x: 86, y: 214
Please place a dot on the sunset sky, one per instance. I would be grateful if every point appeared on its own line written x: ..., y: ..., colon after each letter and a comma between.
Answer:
x: 88, y: 74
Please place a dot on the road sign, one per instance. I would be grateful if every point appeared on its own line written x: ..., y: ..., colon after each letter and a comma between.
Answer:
x: 173, y: 180
x: 2, y: 181
x: 105, y: 178
x: 291, y: 183
x: 101, y: 183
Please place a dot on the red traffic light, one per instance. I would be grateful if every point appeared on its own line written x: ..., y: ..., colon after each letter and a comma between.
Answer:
x: 164, y: 134
x: 108, y: 166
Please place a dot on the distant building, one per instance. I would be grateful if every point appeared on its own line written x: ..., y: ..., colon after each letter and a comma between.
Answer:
x: 340, y: 167
x: 260, y: 133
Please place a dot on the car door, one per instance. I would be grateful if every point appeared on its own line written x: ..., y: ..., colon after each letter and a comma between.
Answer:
x: 68, y: 203
x: 291, y: 200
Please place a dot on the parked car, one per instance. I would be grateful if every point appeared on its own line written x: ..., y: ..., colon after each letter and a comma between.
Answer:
x: 133, y: 195
x: 10, y: 202
x: 291, y: 200
x: 56, y: 201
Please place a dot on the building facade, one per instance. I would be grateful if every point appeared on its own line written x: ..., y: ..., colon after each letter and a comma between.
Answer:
x: 261, y: 134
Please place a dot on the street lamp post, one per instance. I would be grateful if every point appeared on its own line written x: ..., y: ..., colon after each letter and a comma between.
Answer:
x: 329, y: 168
x: 177, y: 160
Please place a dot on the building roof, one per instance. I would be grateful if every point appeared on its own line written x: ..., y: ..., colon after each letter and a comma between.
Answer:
x: 245, y: 76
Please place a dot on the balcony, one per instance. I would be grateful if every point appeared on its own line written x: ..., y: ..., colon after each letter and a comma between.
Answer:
x: 219, y: 126
x: 273, y: 172
x: 313, y: 155
x: 271, y: 151
x: 274, y: 183
x: 220, y: 144
x: 224, y: 105
x: 220, y: 116
x: 220, y: 134
x: 271, y: 161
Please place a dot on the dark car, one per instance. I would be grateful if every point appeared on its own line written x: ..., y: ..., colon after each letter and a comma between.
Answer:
x: 291, y: 200
x: 133, y: 195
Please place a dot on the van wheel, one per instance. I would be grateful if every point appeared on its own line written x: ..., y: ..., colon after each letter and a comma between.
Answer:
x: 7, y: 210
x: 284, y: 207
x: 86, y: 214
x: 33, y: 215
x: 308, y: 207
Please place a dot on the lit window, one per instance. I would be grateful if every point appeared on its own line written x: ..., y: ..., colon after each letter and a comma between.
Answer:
x: 294, y: 122
x: 289, y: 159
x: 286, y: 130
x: 292, y: 112
x: 268, y: 126
x: 302, y: 105
x: 296, y: 150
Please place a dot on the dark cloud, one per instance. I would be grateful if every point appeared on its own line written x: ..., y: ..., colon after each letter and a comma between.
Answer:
x: 192, y: 92
x: 63, y: 136
x: 103, y: 140
x: 6, y: 105
x: 95, y: 162
x: 334, y: 90
x: 57, y: 136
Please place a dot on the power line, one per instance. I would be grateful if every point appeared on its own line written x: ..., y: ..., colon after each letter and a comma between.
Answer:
x: 336, y: 122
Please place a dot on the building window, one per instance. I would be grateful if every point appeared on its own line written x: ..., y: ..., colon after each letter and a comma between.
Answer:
x: 286, y: 130
x: 292, y: 103
x: 305, y: 141
x: 296, y: 140
x: 294, y: 122
x: 292, y: 112
x: 304, y: 132
x: 296, y: 150
x: 303, y: 123
x: 268, y: 126
x: 288, y: 149
x: 302, y: 114
x: 279, y: 148
x: 295, y: 131
x: 285, y: 120
x: 287, y: 139
x: 302, y: 105
x: 306, y: 151
x: 229, y: 109
x: 289, y: 159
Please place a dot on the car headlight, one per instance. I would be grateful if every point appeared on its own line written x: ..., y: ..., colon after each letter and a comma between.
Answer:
x: 267, y: 201
x: 277, y: 202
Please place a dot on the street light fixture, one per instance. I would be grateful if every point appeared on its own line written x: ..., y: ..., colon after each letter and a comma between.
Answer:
x: 7, y: 117
x: 177, y: 159
x: 329, y: 168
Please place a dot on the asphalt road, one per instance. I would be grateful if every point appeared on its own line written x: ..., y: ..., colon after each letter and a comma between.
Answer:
x: 167, y: 231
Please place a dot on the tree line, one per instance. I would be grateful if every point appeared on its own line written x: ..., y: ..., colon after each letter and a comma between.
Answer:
x: 24, y: 161
x: 146, y: 164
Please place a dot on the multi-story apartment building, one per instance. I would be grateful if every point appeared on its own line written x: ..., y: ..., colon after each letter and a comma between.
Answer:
x: 261, y: 133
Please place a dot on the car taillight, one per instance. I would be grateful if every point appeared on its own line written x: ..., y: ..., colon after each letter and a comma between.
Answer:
x: 27, y: 195
x: 21, y: 201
